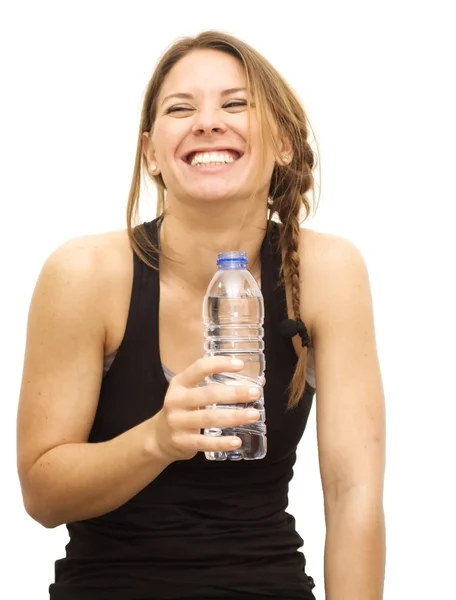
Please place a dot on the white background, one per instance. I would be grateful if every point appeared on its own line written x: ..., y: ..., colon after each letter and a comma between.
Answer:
x: 377, y: 81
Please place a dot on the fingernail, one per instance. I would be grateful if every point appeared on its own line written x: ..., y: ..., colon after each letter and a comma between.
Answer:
x: 253, y: 414
x: 236, y: 443
x: 237, y: 363
x: 254, y: 392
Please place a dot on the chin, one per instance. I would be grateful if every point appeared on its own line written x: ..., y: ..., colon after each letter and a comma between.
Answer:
x: 214, y: 195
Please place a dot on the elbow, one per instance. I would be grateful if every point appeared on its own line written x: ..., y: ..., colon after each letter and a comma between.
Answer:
x: 39, y: 514
x: 36, y: 498
x: 39, y: 508
x: 365, y: 500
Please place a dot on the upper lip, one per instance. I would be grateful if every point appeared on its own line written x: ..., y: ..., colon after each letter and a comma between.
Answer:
x: 190, y: 153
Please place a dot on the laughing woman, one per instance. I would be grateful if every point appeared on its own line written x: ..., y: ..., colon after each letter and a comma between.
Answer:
x: 109, y: 426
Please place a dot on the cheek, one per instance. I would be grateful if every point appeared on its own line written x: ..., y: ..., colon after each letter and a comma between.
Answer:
x: 166, y: 138
x: 267, y: 157
x: 256, y: 144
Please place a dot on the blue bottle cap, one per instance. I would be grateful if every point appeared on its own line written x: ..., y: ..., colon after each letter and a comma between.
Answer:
x: 232, y: 258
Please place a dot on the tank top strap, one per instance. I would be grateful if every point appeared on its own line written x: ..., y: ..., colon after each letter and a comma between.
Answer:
x: 151, y: 230
x: 271, y: 281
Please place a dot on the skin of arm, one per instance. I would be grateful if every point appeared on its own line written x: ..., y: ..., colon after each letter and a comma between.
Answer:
x: 350, y: 415
x: 64, y: 478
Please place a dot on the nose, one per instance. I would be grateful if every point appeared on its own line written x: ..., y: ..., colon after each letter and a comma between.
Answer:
x: 208, y: 121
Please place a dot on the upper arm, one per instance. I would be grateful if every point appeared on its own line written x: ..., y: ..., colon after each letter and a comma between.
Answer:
x: 349, y: 397
x: 64, y: 353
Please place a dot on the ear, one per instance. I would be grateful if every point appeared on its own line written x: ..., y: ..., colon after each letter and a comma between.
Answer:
x: 149, y: 154
x: 286, y: 151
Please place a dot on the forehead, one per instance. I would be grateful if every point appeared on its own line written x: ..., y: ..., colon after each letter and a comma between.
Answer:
x: 204, y: 71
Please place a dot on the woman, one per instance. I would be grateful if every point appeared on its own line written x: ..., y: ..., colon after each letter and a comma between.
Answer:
x: 109, y: 424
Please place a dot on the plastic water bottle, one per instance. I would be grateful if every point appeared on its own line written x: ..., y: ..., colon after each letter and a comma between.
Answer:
x: 233, y: 316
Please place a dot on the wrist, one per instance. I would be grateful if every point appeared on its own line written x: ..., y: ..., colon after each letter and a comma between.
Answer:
x: 153, y: 450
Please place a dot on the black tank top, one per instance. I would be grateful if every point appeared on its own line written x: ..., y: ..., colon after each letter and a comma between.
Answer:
x: 201, y: 529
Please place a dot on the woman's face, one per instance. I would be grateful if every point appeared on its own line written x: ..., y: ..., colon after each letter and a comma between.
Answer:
x: 199, y: 141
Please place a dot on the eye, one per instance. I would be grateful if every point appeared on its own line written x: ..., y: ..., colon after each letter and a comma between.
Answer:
x: 177, y: 109
x: 235, y: 104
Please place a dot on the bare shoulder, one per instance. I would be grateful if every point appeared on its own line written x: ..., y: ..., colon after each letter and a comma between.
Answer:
x: 327, y: 253
x: 91, y: 276
x: 95, y: 257
x: 332, y: 274
x: 89, y: 264
x: 333, y: 271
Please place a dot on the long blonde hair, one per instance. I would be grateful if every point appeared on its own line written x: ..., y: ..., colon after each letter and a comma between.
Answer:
x: 290, y: 183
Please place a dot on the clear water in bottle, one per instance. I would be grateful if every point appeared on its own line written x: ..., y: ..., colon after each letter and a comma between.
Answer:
x: 233, y: 316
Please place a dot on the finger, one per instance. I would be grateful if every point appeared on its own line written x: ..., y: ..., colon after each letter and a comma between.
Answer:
x: 207, y: 443
x: 206, y: 366
x: 213, y: 417
x: 203, y: 396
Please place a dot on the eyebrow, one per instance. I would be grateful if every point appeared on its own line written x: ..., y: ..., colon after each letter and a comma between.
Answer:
x: 184, y: 96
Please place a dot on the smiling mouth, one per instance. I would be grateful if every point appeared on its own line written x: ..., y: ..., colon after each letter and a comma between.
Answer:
x: 213, y: 158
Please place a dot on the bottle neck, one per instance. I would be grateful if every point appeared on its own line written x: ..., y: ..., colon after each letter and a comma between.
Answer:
x: 227, y: 261
x: 233, y: 265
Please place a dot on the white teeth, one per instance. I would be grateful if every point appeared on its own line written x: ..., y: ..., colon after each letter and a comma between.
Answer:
x: 212, y: 158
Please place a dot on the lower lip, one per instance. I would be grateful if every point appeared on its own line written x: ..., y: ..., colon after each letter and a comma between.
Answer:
x: 213, y: 170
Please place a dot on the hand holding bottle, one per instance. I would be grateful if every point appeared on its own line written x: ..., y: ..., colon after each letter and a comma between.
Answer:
x: 181, y: 420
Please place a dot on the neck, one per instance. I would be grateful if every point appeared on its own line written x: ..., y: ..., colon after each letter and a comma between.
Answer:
x: 190, y: 241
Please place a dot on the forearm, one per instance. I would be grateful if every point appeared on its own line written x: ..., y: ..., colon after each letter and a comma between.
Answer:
x: 81, y: 481
x: 355, y: 549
